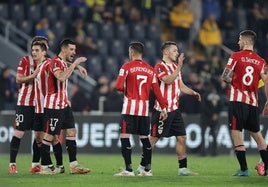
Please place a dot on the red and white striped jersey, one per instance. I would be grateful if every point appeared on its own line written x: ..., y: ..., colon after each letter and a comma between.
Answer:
x: 247, y: 68
x: 41, y: 87
x: 170, y: 92
x: 56, y: 96
x: 26, y: 91
x: 135, y: 79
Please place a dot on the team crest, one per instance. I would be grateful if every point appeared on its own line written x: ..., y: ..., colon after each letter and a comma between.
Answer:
x: 121, y: 72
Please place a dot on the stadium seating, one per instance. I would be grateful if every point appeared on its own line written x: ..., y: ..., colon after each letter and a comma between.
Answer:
x: 117, y: 48
x: 33, y: 12
x: 59, y: 29
x: 122, y: 31
x: 153, y: 32
x: 50, y: 12
x: 111, y: 67
x: 94, y: 66
x: 17, y: 12
x: 4, y: 13
x: 107, y: 31
x: 137, y: 32
x: 92, y: 30
x: 103, y: 47
x: 26, y: 26
x: 65, y: 13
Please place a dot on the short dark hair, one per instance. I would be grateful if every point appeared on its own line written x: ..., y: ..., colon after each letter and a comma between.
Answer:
x: 39, y: 39
x: 65, y: 42
x: 166, y: 45
x: 137, y: 46
x: 251, y: 35
x: 41, y: 44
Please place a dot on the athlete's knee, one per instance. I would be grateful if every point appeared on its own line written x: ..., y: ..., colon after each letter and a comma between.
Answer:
x: 48, y: 137
x: 71, y: 132
x: 181, y: 139
x: 19, y: 134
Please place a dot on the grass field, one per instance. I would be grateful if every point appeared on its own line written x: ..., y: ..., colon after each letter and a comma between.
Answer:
x: 213, y: 171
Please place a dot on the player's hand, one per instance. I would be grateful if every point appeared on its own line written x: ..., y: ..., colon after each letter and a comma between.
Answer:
x: 82, y: 71
x: 80, y: 60
x: 163, y: 115
x: 197, y: 96
x: 36, y: 71
x: 181, y: 59
x: 265, y: 109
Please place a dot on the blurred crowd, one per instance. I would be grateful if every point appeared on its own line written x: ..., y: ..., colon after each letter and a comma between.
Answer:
x: 205, y: 30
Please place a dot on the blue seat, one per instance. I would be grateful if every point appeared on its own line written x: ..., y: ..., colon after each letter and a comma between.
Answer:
x: 94, y: 66
x: 107, y: 31
x: 92, y: 30
x: 26, y: 26
x: 153, y: 32
x: 17, y: 12
x: 111, y: 67
x: 122, y: 31
x: 103, y: 47
x: 59, y: 29
x: 138, y: 32
x: 4, y: 13
x: 150, y: 48
x: 65, y: 13
x: 117, y: 48
x: 51, y: 13
x: 80, y: 12
x: 33, y: 12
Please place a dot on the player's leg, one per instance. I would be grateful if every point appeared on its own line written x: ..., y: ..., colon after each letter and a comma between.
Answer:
x: 126, y: 123
x: 240, y: 152
x: 14, y: 148
x: 262, y: 147
x: 146, y: 156
x: 57, y: 150
x: 37, y: 143
x: 154, y: 137
x: 24, y: 121
x: 126, y: 151
x: 75, y: 167
x: 238, y: 115
x: 46, y: 162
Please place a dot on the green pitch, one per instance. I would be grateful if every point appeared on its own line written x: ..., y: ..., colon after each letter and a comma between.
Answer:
x: 213, y: 171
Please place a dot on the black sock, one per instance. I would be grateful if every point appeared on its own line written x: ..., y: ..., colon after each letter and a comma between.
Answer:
x: 182, y: 163
x: 72, y: 150
x: 142, y: 163
x: 264, y: 157
x: 147, y: 153
x: 45, y: 155
x: 36, y: 152
x: 126, y: 153
x: 14, y: 149
x: 241, y: 157
x: 57, y: 149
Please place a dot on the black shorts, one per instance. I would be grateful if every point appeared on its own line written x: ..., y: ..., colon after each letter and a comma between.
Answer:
x: 57, y: 119
x: 172, y: 126
x: 39, y: 123
x: 24, y: 118
x: 243, y: 116
x: 139, y: 125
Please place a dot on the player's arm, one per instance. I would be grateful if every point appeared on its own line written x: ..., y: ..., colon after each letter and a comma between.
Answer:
x: 160, y: 99
x: 80, y: 68
x: 120, y: 81
x: 185, y: 89
x: 64, y: 75
x: 168, y: 79
x: 227, y: 75
x: 20, y: 78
